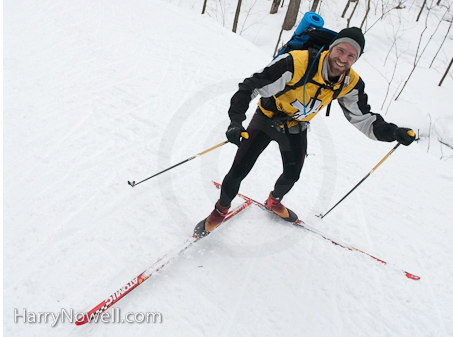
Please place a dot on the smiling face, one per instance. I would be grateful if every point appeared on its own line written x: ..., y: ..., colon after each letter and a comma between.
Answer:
x: 340, y: 58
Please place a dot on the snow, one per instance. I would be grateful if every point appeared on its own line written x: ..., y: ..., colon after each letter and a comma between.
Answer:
x: 97, y: 93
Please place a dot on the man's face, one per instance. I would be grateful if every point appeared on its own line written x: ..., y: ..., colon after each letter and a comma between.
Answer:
x: 340, y: 59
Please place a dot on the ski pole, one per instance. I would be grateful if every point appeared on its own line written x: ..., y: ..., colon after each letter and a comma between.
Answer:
x: 132, y: 183
x: 411, y: 133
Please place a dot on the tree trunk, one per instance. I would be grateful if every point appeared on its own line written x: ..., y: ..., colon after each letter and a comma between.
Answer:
x: 345, y: 9
x: 236, y: 17
x: 204, y: 6
x: 446, y: 72
x: 291, y: 14
x: 314, y: 6
x: 421, y: 10
x: 279, y: 38
x: 438, y: 50
x: 275, y: 4
x: 349, y: 20
x: 366, y: 14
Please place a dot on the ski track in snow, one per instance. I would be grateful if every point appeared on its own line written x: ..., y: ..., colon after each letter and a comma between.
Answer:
x: 99, y: 93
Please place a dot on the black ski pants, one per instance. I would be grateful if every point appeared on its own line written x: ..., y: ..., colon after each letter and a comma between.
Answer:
x: 293, y: 149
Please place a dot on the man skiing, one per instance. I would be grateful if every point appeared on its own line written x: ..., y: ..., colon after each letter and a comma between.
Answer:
x: 284, y: 112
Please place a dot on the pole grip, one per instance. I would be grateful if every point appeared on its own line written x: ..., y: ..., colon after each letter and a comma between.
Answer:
x: 245, y: 135
x: 210, y: 149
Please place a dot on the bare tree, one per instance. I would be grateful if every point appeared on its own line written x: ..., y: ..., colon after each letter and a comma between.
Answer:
x: 346, y: 7
x: 278, y: 41
x: 446, y: 72
x: 218, y: 11
x: 397, y: 55
x: 350, y: 17
x: 417, y: 55
x: 389, y: 83
x: 247, y: 14
x: 366, y: 13
x: 290, y: 20
x: 314, y: 6
x: 385, y: 12
x: 429, y: 132
x: 445, y: 37
x: 275, y: 4
x: 396, y: 36
x: 236, y: 16
x: 442, y: 151
x: 421, y: 10
x: 291, y: 14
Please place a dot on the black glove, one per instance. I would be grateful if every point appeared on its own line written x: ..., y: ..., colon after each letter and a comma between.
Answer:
x: 233, y: 133
x: 404, y: 136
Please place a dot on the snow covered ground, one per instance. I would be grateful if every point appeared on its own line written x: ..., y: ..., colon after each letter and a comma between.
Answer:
x: 97, y: 93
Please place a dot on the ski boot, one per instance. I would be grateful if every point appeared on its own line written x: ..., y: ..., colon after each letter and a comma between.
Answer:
x: 206, y: 226
x: 274, y: 204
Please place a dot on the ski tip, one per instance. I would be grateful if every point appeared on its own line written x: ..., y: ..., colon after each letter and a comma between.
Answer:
x: 84, y: 319
x: 412, y: 276
x: 81, y: 321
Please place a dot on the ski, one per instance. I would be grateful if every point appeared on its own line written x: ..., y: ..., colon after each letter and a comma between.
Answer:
x: 300, y: 223
x: 158, y: 265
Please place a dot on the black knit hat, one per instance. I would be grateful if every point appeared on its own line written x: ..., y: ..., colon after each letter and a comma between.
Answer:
x: 353, y: 36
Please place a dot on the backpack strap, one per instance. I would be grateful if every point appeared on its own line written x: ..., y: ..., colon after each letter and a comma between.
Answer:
x: 328, y: 109
x: 313, y: 56
x: 336, y: 93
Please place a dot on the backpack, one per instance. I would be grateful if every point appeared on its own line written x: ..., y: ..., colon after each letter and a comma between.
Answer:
x: 315, y: 40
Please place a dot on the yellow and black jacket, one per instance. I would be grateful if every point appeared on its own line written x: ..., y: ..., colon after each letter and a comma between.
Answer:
x: 304, y: 102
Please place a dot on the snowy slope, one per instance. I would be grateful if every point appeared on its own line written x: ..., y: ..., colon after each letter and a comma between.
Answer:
x: 100, y: 92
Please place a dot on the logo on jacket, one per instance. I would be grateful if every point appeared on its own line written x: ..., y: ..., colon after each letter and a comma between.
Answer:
x: 311, y: 107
